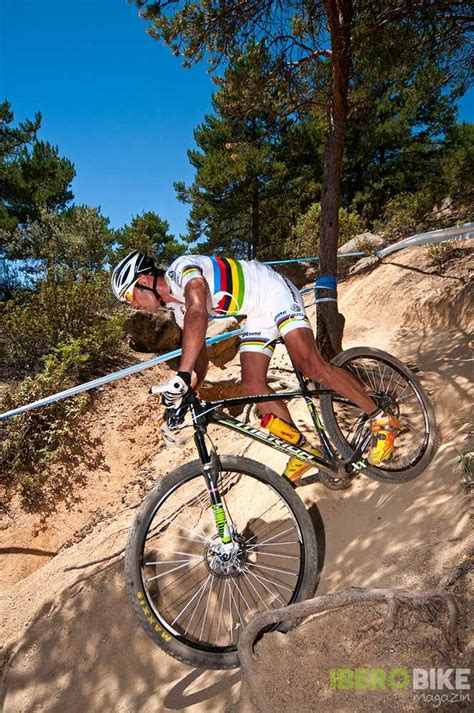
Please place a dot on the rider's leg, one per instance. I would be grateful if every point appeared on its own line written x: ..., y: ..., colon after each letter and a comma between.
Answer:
x: 303, y: 351
x: 254, y: 382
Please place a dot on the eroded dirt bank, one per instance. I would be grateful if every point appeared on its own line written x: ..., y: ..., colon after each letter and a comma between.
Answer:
x: 70, y: 639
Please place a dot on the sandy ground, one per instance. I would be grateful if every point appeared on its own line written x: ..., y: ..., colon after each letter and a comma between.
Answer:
x: 70, y: 640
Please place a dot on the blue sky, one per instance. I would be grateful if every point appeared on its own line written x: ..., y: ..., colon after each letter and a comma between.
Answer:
x: 115, y: 101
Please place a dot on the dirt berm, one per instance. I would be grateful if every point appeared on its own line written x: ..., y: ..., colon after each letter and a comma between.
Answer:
x: 70, y: 640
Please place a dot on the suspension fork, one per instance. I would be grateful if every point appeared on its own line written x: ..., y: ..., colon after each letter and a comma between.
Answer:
x: 210, y: 470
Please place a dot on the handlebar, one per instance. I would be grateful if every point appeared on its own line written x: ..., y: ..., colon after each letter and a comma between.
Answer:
x: 174, y: 415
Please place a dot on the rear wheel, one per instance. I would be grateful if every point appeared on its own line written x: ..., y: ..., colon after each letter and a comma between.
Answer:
x: 191, y: 594
x: 398, y: 391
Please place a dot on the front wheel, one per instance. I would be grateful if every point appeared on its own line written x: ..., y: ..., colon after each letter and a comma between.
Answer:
x: 191, y: 594
x: 397, y: 390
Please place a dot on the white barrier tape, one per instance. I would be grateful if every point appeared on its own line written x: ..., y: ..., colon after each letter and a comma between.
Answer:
x: 108, y: 378
x: 461, y: 232
x: 308, y: 259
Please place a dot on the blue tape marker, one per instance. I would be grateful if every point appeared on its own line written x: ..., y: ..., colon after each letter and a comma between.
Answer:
x: 326, y: 282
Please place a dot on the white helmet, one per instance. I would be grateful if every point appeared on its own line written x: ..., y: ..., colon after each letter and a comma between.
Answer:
x: 129, y: 270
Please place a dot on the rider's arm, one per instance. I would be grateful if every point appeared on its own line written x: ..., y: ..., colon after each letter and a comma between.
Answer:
x: 195, y: 324
x: 200, y: 368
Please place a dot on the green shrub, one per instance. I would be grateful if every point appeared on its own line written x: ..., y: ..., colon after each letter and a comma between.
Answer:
x: 365, y: 245
x: 441, y: 253
x: 305, y: 239
x: 65, y: 307
x: 465, y: 463
x: 68, y: 332
x: 34, y: 439
x: 405, y: 215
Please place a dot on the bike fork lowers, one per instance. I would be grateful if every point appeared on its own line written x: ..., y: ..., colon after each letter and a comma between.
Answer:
x: 210, y: 469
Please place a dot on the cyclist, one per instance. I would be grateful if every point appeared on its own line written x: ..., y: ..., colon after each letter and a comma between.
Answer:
x: 195, y: 286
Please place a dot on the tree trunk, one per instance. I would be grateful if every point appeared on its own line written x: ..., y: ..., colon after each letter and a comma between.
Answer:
x: 255, y: 221
x: 330, y: 323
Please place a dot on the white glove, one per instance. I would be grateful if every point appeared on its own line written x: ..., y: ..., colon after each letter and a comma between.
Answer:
x: 173, y: 391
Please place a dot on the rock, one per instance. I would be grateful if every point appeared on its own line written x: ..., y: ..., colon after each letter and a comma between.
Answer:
x: 224, y: 351
x: 364, y: 263
x: 156, y: 333
x: 362, y: 241
x: 300, y: 273
x: 446, y: 209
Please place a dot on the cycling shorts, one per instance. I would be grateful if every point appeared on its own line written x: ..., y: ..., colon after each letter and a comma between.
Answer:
x: 284, y: 311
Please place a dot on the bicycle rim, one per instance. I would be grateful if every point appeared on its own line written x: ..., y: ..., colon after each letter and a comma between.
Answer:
x: 200, y: 600
x: 395, y: 389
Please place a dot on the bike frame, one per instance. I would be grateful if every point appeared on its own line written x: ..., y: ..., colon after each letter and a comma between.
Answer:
x: 208, y: 412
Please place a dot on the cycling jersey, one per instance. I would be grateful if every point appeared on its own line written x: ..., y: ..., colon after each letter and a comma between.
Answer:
x: 272, y: 303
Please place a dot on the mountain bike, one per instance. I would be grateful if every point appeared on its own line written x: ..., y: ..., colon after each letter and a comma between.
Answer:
x: 224, y: 537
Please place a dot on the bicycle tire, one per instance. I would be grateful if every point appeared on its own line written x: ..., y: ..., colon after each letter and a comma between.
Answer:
x: 149, y: 617
x: 385, y: 472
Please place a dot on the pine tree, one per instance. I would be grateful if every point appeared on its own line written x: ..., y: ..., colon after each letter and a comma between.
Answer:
x: 150, y: 234
x: 239, y: 198
x: 33, y: 177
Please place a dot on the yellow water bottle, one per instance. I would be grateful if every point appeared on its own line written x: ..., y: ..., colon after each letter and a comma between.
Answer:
x: 295, y: 467
x: 283, y: 430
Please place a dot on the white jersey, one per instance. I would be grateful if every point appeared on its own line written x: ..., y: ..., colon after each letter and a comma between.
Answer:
x: 272, y: 303
x: 235, y: 287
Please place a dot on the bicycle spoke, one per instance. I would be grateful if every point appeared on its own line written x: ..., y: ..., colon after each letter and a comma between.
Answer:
x: 261, y: 579
x: 414, y: 429
x: 200, y: 590
x: 231, y: 628
x: 270, y: 538
x: 270, y: 569
x: 272, y: 544
x: 246, y: 573
x: 185, y: 594
x: 169, y: 571
x: 176, y: 580
x: 272, y: 554
x: 149, y: 564
x: 234, y: 602
x: 220, y: 614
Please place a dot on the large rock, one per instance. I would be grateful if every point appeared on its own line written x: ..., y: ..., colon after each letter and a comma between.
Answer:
x: 364, y: 240
x: 300, y: 273
x: 365, y: 263
x: 225, y: 350
x: 158, y: 333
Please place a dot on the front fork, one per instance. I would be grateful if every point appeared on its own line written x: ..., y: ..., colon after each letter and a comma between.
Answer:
x: 210, y: 469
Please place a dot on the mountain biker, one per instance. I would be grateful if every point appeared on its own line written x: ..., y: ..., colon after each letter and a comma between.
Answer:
x: 195, y: 286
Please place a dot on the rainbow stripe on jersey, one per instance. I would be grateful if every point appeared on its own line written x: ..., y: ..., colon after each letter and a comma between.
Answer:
x: 191, y: 271
x: 228, y: 278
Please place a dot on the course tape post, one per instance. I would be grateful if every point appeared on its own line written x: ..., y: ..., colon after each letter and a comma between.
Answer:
x: 462, y: 232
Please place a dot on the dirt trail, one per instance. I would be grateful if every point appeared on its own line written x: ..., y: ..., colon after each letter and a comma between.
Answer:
x: 71, y: 640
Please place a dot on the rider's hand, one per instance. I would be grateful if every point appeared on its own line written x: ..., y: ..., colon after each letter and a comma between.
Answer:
x: 175, y: 388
